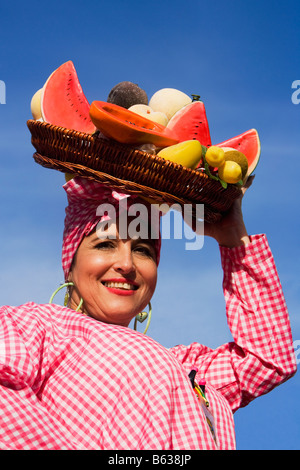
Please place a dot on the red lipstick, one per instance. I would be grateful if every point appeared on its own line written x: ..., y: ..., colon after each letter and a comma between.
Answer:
x: 118, y: 289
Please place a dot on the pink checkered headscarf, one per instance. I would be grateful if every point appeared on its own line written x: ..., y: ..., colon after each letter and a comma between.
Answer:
x: 84, y: 197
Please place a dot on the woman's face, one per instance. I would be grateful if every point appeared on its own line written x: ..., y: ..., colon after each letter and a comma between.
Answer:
x: 115, y: 277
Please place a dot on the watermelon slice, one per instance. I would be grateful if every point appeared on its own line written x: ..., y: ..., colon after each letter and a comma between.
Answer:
x: 63, y: 102
x: 249, y: 144
x: 127, y: 127
x: 190, y: 122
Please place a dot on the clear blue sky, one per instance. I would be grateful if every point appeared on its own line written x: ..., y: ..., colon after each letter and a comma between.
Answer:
x: 242, y: 58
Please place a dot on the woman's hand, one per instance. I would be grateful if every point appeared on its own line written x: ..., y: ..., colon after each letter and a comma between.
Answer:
x: 230, y: 231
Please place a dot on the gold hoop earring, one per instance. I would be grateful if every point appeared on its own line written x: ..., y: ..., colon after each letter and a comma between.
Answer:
x: 141, y: 317
x: 66, y: 284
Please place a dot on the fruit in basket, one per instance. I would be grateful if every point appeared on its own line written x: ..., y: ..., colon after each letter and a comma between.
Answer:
x: 190, y: 122
x: 169, y: 101
x: 35, y: 105
x: 230, y: 172
x: 124, y: 126
x: 147, y: 112
x: 238, y: 157
x: 215, y: 156
x: 247, y: 143
x: 186, y: 153
x: 63, y: 102
x: 127, y: 94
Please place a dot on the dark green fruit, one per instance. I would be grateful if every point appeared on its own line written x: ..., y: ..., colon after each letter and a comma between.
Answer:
x: 127, y: 94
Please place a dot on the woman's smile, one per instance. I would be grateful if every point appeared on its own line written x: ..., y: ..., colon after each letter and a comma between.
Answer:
x: 120, y: 286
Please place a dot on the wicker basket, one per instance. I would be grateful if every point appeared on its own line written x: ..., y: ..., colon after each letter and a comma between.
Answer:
x: 128, y: 169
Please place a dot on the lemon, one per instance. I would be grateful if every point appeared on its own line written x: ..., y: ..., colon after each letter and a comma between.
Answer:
x: 238, y: 157
x: 215, y: 156
x: 230, y: 172
x: 187, y: 153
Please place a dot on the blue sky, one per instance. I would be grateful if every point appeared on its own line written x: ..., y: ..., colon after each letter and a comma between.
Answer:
x: 242, y: 58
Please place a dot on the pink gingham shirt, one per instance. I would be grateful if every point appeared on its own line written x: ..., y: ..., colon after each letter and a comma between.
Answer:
x: 70, y: 382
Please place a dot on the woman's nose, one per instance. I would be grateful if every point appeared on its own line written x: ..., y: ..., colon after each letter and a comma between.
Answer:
x: 124, y: 262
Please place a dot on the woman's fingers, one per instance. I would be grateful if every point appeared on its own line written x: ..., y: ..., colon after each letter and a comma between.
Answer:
x: 231, y: 218
x: 248, y: 183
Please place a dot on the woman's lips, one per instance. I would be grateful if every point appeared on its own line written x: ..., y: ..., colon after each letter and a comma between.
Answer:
x: 120, y: 286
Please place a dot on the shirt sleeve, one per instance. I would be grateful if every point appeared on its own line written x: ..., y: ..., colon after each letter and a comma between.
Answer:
x: 25, y: 424
x: 261, y: 355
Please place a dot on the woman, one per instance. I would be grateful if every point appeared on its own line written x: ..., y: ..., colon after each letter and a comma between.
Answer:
x: 84, y: 380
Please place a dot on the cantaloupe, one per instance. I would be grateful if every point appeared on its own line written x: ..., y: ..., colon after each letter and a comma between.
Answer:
x: 35, y: 105
x: 169, y: 101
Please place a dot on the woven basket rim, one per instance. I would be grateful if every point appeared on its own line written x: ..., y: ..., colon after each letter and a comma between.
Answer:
x: 98, y: 158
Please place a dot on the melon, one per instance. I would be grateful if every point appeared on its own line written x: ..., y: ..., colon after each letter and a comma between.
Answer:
x: 127, y: 127
x: 190, y: 122
x: 147, y: 112
x: 169, y: 101
x: 247, y: 143
x: 63, y: 102
x: 35, y: 105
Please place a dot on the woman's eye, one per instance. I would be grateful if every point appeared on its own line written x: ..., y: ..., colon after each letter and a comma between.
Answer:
x: 145, y: 250
x: 105, y: 244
